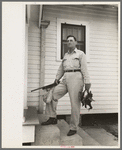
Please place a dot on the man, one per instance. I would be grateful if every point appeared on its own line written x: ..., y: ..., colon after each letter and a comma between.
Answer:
x: 74, y: 71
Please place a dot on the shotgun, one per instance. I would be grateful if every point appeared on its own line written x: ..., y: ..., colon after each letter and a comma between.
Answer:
x: 46, y: 87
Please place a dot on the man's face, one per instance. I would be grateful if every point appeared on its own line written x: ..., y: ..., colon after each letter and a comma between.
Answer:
x: 71, y: 43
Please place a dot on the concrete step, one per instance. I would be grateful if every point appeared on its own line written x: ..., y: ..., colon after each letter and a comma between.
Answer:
x: 87, y: 139
x: 48, y: 135
x: 28, y: 128
x: 31, y: 117
x: 28, y: 134
x: 74, y: 140
x: 101, y: 136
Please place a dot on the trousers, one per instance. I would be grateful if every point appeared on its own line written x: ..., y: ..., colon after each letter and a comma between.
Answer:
x: 72, y: 83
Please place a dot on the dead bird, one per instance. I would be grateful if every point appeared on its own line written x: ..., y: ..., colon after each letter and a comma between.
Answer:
x: 86, y: 100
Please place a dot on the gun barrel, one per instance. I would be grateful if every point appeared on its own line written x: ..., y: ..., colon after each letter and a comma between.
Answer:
x: 35, y: 89
x: 45, y: 87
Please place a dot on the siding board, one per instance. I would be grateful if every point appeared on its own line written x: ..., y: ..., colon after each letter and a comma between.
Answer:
x: 51, y: 67
x: 36, y: 62
x: 33, y: 57
x: 33, y: 34
x: 34, y: 39
x: 34, y: 44
x: 93, y: 111
x: 102, y: 106
x: 35, y: 104
x: 103, y: 52
x: 108, y: 49
x: 50, y: 49
x: 33, y: 80
x: 31, y: 71
x: 52, y: 76
x: 34, y: 85
x: 50, y: 36
x: 95, y: 102
x: 30, y: 66
x: 33, y: 76
x: 106, y: 45
x: 34, y: 51
x: 93, y: 81
x: 48, y: 62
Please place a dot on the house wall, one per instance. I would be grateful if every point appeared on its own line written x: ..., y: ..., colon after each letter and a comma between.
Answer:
x: 103, y: 53
x: 34, y: 54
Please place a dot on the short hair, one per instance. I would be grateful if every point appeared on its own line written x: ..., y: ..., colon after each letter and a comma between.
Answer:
x: 72, y: 36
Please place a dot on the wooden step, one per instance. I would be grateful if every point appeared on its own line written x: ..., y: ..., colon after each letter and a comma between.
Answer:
x: 74, y: 140
x: 101, y: 136
x: 87, y: 139
x: 48, y: 135
x: 31, y: 117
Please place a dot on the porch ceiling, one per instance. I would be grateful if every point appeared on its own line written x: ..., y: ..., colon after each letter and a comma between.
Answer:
x: 111, y: 6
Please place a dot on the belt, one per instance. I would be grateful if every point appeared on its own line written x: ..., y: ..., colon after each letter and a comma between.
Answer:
x: 75, y: 70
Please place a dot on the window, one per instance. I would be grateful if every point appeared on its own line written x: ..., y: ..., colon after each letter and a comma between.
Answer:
x: 79, y: 29
x: 76, y: 30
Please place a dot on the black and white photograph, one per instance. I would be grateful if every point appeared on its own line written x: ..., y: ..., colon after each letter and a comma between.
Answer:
x: 61, y: 74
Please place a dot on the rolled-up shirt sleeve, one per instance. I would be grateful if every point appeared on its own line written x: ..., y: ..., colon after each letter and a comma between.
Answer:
x: 60, y: 72
x: 84, y: 69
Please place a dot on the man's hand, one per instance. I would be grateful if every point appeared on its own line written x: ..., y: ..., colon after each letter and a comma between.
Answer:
x: 56, y: 81
x: 87, y: 87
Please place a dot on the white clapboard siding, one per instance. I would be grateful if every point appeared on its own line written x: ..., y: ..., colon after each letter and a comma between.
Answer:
x: 112, y: 50
x: 34, y: 39
x: 34, y: 52
x: 103, y: 57
x: 33, y: 66
x: 50, y: 45
x: 33, y: 85
x: 35, y: 103
x: 103, y: 53
x: 33, y: 98
x: 96, y: 102
x: 34, y: 46
x: 34, y: 43
x: 107, y: 37
x: 34, y: 62
x: 33, y: 94
x: 48, y: 62
x: 96, y: 106
x: 50, y: 36
x: 93, y: 77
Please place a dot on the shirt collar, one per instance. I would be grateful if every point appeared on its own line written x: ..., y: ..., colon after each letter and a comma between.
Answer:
x: 73, y: 51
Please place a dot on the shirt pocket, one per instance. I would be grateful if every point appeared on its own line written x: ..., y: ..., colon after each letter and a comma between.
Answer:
x: 75, y: 61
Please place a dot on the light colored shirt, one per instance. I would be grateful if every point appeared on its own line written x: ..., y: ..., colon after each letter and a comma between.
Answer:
x: 74, y: 60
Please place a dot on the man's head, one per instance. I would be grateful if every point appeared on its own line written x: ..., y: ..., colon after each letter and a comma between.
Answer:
x: 71, y: 42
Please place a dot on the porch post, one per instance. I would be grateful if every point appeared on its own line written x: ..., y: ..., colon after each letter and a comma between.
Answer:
x: 43, y: 24
x: 42, y: 67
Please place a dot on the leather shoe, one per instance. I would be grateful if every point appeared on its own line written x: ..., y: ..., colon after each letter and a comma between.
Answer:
x: 50, y: 121
x: 71, y: 132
